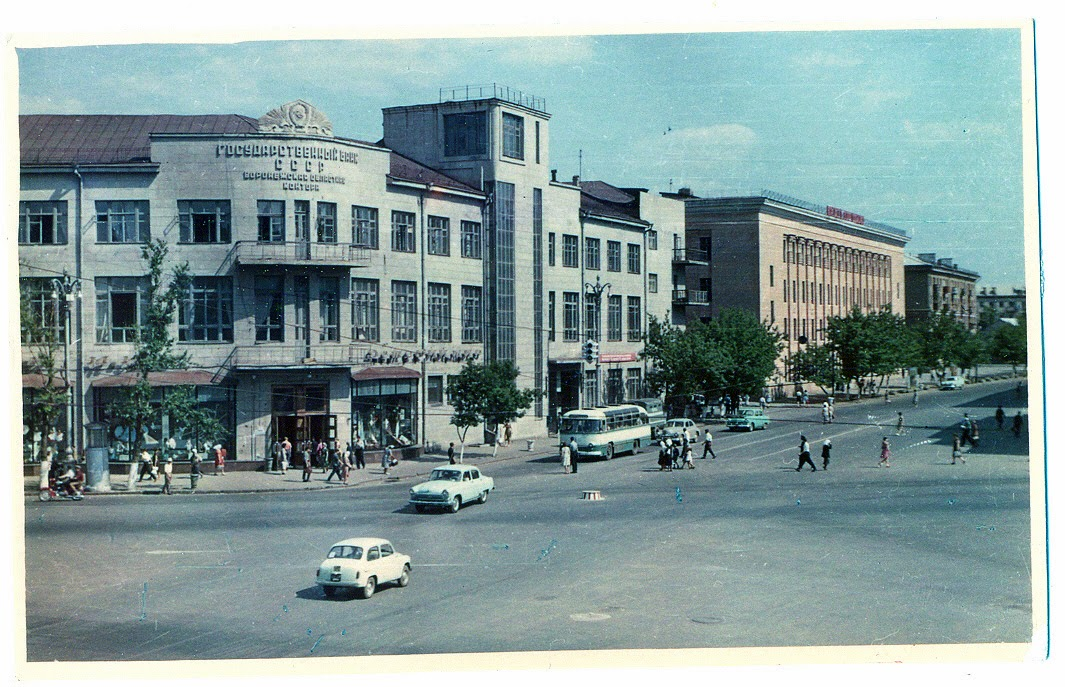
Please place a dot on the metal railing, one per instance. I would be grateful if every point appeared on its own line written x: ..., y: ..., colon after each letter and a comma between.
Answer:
x: 688, y: 296
x: 492, y: 90
x: 270, y: 355
x: 689, y: 255
x: 299, y: 252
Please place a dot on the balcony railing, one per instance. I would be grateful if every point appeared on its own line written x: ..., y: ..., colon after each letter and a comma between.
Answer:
x: 298, y: 253
x: 690, y: 256
x: 299, y: 355
x: 685, y: 296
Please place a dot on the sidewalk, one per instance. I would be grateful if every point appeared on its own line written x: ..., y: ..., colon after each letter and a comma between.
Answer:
x: 256, y: 481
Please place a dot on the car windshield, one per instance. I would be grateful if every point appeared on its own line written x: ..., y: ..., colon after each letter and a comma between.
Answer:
x: 675, y: 423
x: 446, y: 475
x: 345, y: 552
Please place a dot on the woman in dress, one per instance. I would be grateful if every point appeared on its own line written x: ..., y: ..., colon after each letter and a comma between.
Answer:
x: 564, y: 454
x: 885, y: 454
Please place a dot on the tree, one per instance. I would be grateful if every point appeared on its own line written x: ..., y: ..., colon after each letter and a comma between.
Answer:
x: 870, y: 344
x: 817, y: 364
x: 486, y: 393
x: 1009, y: 344
x: 732, y: 354
x: 50, y: 400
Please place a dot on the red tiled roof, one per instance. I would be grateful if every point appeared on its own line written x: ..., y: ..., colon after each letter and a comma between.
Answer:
x: 407, y: 169
x: 393, y: 372
x: 111, y: 139
x: 168, y: 378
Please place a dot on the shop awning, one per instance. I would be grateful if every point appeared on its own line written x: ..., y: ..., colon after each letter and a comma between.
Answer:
x: 394, y: 372
x: 168, y: 378
x: 39, y: 381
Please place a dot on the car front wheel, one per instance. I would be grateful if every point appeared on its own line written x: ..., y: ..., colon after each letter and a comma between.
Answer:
x: 368, y: 590
x: 455, y: 504
x: 404, y: 579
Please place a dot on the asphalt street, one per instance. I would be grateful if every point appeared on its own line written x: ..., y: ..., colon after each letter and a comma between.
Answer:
x: 743, y: 551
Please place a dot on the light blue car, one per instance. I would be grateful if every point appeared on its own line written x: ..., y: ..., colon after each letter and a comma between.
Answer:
x: 749, y: 419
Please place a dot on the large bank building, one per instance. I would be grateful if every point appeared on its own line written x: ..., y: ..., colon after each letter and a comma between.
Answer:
x: 336, y: 283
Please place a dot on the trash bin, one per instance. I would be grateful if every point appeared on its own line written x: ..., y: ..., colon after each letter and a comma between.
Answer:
x: 97, y: 470
x: 529, y: 445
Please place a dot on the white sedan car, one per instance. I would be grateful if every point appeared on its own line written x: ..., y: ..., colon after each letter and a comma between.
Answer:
x: 677, y: 429
x: 362, y: 564
x: 450, y: 486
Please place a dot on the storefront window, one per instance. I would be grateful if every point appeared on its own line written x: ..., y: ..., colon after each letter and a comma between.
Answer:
x: 384, y: 412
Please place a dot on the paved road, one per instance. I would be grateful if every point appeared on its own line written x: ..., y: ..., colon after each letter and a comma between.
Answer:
x: 742, y: 551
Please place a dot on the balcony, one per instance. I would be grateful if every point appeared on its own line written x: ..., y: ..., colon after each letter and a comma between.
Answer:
x: 682, y: 295
x: 690, y: 256
x: 296, y: 253
x: 267, y: 356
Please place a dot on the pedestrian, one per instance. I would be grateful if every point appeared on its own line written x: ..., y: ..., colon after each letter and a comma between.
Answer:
x: 564, y: 456
x: 687, y: 457
x: 761, y: 402
x: 334, y: 466
x: 153, y: 471
x: 275, y: 452
x: 386, y: 458
x: 955, y: 451
x: 219, y: 460
x: 1000, y: 417
x: 887, y: 398
x: 451, y: 453
x: 665, y: 459
x: 360, y: 452
x: 899, y: 425
x: 708, y: 446
x: 804, y: 455
x: 574, y: 456
x: 286, y: 459
x: 345, y: 465
x: 885, y: 454
x: 305, y: 456
x: 826, y: 453
x: 824, y: 413
x: 46, y: 469
x: 915, y: 398
x: 1018, y: 424
x: 975, y: 434
x: 508, y: 433
x: 805, y: 398
x: 966, y: 430
x: 194, y: 470
x: 831, y: 412
x: 168, y: 474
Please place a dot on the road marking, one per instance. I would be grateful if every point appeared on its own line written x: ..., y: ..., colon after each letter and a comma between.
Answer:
x: 589, y: 617
x: 167, y: 553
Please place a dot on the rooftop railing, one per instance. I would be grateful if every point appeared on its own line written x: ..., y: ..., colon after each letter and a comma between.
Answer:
x: 492, y: 90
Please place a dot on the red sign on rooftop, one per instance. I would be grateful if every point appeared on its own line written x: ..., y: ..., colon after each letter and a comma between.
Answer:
x: 843, y: 214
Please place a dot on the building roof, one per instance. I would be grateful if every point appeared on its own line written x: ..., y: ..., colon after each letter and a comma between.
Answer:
x: 406, y: 169
x: 605, y: 200
x: 112, y: 139
x: 928, y: 261
x: 163, y: 378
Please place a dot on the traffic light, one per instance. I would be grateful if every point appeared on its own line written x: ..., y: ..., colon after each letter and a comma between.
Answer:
x: 591, y: 351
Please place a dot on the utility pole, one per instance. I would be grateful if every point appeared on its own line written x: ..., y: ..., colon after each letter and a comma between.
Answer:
x: 595, y: 292
x: 68, y: 288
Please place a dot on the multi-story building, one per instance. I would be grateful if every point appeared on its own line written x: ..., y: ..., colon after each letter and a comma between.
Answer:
x: 792, y: 263
x: 337, y: 283
x: 994, y: 306
x: 940, y: 286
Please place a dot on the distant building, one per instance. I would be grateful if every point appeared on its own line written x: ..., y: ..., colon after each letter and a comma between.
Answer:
x: 994, y: 306
x: 939, y: 285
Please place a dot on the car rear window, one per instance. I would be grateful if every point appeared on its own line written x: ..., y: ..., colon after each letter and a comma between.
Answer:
x: 354, y: 552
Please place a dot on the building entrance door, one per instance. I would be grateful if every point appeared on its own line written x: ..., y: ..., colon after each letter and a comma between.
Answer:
x: 301, y: 428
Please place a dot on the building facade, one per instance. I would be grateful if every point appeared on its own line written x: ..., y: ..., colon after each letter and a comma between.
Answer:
x: 940, y: 286
x: 336, y: 283
x: 793, y: 264
x: 994, y: 306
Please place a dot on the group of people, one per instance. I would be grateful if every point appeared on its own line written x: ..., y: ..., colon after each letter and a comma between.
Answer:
x: 828, y: 410
x: 327, y: 457
x: 63, y: 477
x: 676, y: 454
x: 804, y: 454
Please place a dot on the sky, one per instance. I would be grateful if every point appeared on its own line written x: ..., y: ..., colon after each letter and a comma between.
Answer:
x: 918, y: 129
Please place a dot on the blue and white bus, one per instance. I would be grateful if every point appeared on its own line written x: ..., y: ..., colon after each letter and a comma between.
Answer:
x: 604, y: 432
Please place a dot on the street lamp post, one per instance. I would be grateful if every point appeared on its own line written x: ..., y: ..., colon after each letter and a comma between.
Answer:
x: 595, y: 292
x: 67, y: 288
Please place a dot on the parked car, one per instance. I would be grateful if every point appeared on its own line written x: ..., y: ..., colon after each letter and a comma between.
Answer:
x: 677, y: 428
x: 953, y: 382
x: 450, y: 486
x: 362, y: 564
x: 749, y: 419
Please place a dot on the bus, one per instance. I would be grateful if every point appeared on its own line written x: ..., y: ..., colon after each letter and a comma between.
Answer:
x: 607, y: 431
x: 655, y: 411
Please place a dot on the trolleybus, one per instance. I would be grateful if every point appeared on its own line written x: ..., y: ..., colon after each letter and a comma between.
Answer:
x: 604, y: 432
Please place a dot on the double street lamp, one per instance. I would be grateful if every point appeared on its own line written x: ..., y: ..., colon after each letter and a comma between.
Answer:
x: 595, y: 293
x: 64, y: 291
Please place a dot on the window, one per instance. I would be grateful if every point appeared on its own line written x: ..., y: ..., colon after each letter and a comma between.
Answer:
x: 613, y: 318
x: 44, y: 309
x: 403, y: 231
x: 439, y: 312
x: 591, y: 253
x: 329, y: 308
x: 207, y: 313
x: 434, y: 390
x: 122, y: 221
x: 569, y: 250
x: 404, y: 311
x: 364, y: 310
x: 635, y: 321
x: 121, y: 305
x: 204, y: 221
x: 272, y: 221
x: 465, y: 134
x: 633, y: 383
x: 634, y: 258
x: 439, y: 236
x: 551, y: 249
x: 513, y: 136
x: 471, y: 240
x: 652, y: 239
x: 770, y: 275
x: 364, y: 226
x: 472, y: 330
x: 591, y: 388
x: 613, y: 256
x: 705, y: 246
x: 571, y: 324
x: 772, y: 312
x: 591, y: 319
x: 301, y: 214
x: 269, y: 308
x: 550, y: 315
x: 42, y: 222
x: 327, y: 222
x: 652, y: 283
x: 615, y: 388
x: 537, y: 142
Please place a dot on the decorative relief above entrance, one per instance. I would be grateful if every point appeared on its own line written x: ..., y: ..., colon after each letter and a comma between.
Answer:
x: 297, y: 117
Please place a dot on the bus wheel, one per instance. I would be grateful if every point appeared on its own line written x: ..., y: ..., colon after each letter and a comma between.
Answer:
x: 610, y: 451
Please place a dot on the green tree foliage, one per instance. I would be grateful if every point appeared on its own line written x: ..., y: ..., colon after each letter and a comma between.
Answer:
x: 486, y: 393
x: 49, y: 401
x: 944, y: 342
x: 817, y: 364
x: 733, y: 354
x: 1009, y: 344
x: 870, y: 344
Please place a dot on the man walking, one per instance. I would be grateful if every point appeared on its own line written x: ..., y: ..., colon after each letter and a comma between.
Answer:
x: 451, y: 453
x: 168, y: 474
x: 899, y: 425
x: 1000, y: 417
x: 386, y: 458
x: 804, y: 455
x: 360, y: 452
x: 708, y: 446
x: 1018, y: 423
x: 826, y: 453
x: 966, y: 430
x: 574, y: 456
